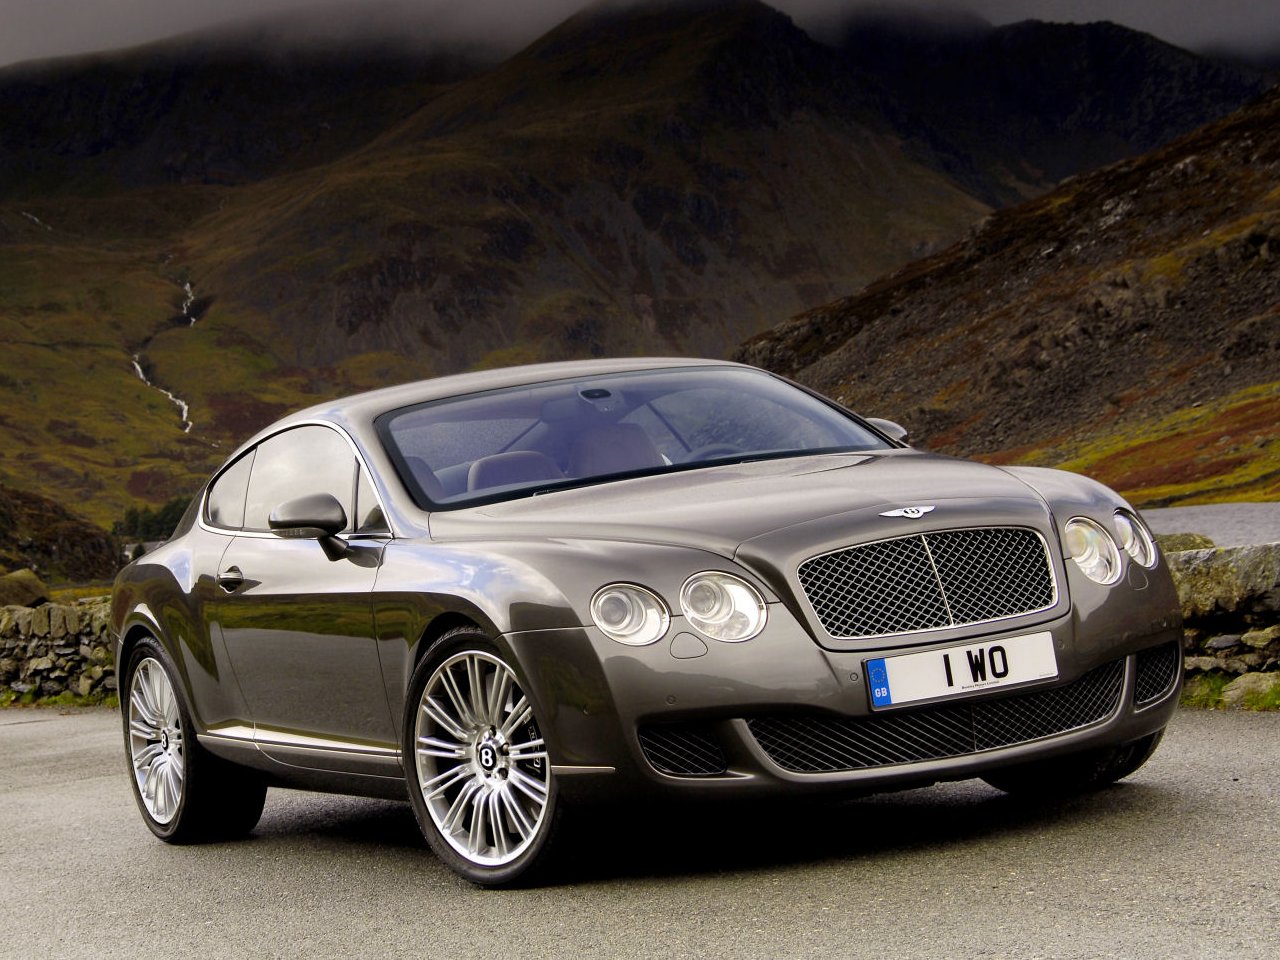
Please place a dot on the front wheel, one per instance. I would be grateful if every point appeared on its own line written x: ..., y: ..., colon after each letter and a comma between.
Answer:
x: 1077, y: 772
x: 479, y: 775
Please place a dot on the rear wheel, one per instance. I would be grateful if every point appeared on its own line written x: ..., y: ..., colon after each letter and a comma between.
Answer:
x: 479, y: 775
x: 185, y: 793
x: 1077, y: 772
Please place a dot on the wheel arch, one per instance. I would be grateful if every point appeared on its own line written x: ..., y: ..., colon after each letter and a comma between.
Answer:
x: 445, y: 623
x: 139, y: 626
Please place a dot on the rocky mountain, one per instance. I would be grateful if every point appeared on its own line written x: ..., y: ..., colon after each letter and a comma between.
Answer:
x: 654, y: 179
x: 1009, y: 111
x: 201, y: 234
x: 1126, y: 324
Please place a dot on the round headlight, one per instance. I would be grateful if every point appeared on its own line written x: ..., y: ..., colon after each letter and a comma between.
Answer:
x: 1093, y: 550
x: 629, y: 614
x: 722, y: 606
x: 1135, y: 538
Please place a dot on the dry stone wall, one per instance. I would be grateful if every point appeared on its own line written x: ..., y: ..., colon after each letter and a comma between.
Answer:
x: 1231, y: 619
x: 56, y: 649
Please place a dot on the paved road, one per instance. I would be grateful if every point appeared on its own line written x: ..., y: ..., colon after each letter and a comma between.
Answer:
x: 1181, y: 861
x: 1226, y: 524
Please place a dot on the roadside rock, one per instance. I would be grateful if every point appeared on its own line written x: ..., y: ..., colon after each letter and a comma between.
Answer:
x: 1228, y: 580
x: 1261, y: 639
x: 1179, y: 542
x: 1252, y: 690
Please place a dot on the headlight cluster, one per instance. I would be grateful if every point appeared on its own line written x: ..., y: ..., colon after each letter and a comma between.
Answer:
x: 717, y: 605
x: 1135, y: 538
x: 722, y: 606
x: 1095, y: 551
x: 629, y: 614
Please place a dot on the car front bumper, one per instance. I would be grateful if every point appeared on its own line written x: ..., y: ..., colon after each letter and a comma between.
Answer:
x: 782, y: 715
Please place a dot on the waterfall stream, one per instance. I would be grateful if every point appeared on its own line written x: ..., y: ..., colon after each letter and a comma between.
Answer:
x: 184, y: 408
x: 36, y: 220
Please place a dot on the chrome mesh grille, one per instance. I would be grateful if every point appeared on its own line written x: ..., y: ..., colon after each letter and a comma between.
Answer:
x: 682, y: 749
x: 1157, y: 673
x: 823, y: 744
x: 928, y: 581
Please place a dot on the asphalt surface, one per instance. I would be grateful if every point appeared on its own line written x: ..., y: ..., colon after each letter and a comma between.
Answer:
x: 1179, y: 861
x: 1226, y: 524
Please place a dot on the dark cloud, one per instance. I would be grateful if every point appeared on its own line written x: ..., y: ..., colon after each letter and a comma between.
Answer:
x: 32, y: 29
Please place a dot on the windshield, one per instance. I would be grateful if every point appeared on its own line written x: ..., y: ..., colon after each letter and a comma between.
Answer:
x: 520, y: 441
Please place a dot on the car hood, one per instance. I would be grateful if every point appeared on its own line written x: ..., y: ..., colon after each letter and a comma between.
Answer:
x: 720, y: 508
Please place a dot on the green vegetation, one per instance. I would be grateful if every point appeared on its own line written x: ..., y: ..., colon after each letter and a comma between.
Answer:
x: 1221, y: 451
x: 9, y: 698
x: 146, y: 524
x: 1205, y: 690
x: 1263, y: 701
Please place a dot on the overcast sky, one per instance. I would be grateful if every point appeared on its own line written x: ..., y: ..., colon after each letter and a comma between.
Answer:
x: 31, y: 29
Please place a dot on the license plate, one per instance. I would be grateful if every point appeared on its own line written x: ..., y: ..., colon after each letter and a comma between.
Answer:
x: 956, y: 671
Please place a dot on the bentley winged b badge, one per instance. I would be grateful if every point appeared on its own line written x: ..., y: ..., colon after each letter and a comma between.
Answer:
x: 913, y: 513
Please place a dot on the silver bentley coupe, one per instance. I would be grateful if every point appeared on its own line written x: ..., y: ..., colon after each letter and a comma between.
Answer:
x: 504, y: 595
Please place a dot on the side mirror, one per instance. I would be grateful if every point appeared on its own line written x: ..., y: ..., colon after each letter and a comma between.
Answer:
x: 317, y: 516
x: 894, y: 431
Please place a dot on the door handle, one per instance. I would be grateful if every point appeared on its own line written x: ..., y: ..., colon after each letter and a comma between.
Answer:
x: 229, y: 579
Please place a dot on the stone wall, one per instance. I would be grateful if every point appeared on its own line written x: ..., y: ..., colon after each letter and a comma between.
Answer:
x: 1230, y: 601
x: 1231, y: 610
x: 56, y: 649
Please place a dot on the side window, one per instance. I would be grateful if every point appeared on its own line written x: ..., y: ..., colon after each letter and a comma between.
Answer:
x: 225, y: 504
x: 368, y: 510
x: 296, y: 463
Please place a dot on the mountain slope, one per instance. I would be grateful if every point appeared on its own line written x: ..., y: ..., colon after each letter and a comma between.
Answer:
x: 1127, y: 324
x: 38, y: 534
x: 199, y: 235
x: 636, y: 181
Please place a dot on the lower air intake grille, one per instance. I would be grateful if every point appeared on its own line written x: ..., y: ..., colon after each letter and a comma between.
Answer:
x: 682, y: 749
x: 822, y: 744
x: 1157, y: 673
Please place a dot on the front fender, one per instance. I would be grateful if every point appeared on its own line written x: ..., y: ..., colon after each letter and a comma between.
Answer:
x: 511, y: 588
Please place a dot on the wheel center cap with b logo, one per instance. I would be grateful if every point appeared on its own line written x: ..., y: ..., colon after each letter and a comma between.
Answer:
x: 490, y: 754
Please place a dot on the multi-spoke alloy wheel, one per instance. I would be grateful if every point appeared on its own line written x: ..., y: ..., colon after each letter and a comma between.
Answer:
x: 155, y: 741
x: 481, y: 766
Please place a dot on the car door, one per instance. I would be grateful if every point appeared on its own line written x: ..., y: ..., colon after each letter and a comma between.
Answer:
x: 297, y: 625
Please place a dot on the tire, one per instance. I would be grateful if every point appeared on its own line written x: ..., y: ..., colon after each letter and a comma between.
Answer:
x: 185, y: 793
x: 1077, y: 772
x: 478, y: 773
